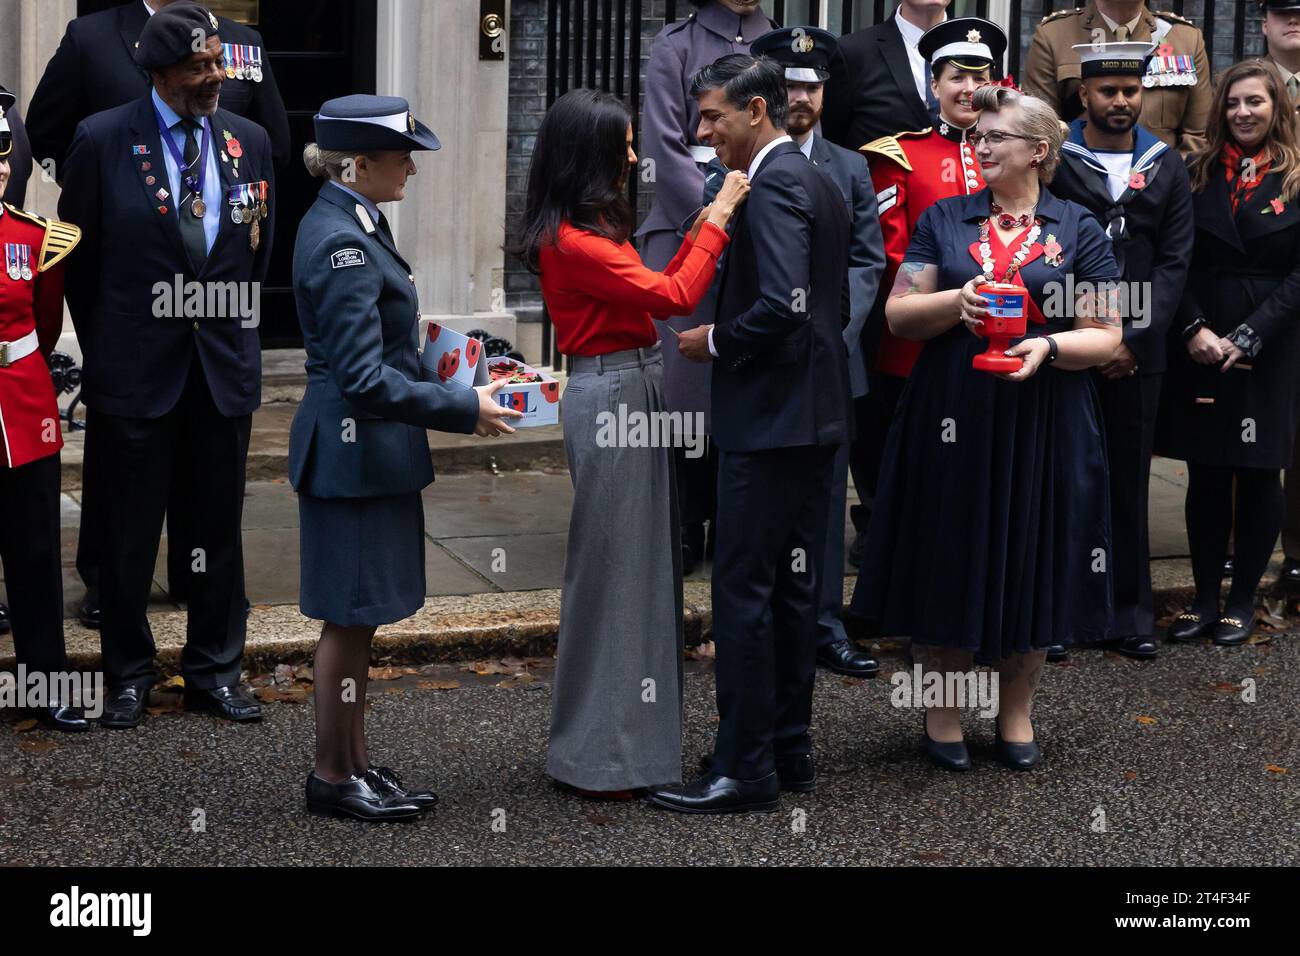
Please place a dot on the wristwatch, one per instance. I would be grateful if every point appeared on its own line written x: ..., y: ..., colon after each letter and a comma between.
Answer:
x: 1193, y: 328
x: 1052, y: 350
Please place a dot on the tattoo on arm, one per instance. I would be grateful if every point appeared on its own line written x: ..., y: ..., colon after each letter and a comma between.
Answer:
x: 914, y: 278
x: 1100, y: 307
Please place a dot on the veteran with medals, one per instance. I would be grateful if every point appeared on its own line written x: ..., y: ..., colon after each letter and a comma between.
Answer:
x: 171, y: 379
x: 358, y: 453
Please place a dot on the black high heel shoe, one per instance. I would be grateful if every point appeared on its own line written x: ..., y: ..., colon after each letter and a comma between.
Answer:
x: 1233, y: 631
x: 949, y: 756
x: 1191, y: 626
x: 1018, y: 756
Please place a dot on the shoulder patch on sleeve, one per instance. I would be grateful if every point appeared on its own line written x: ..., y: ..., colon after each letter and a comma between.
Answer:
x: 60, y: 239
x: 348, y: 257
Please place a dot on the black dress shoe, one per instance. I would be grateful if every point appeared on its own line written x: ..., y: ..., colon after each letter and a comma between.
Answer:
x: 228, y: 703
x: 1019, y: 756
x: 843, y: 658
x: 1231, y: 631
x: 125, y: 707
x: 1190, y: 626
x: 357, y: 799
x: 714, y: 793
x: 796, y: 773
x: 5, y: 626
x: 66, y: 719
x: 388, y: 784
x: 1141, y: 647
x: 1057, y: 653
x: 1290, y: 576
x: 88, y: 614
x: 949, y: 756
x: 856, y: 549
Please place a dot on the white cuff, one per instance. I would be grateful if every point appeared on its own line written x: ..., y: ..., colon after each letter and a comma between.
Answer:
x: 712, y: 351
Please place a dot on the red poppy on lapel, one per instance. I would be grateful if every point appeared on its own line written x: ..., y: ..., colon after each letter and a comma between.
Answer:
x: 1277, y: 205
x: 1137, y: 181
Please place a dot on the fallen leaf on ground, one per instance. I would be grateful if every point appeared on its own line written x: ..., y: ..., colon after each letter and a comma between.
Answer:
x: 1147, y: 720
x: 1130, y: 775
x: 173, y: 683
x: 483, y: 668
x: 1227, y: 686
x: 23, y: 726
x: 701, y: 652
x: 1264, y: 636
x: 35, y: 745
x: 1274, y: 768
x: 438, y: 684
x: 283, y: 674
x: 519, y: 680
x: 304, y: 672
x: 388, y: 673
x: 600, y: 819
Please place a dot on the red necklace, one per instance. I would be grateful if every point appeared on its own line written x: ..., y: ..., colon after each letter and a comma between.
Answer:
x: 1006, y: 220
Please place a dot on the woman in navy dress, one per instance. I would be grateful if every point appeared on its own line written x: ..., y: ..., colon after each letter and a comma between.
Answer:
x: 991, y: 533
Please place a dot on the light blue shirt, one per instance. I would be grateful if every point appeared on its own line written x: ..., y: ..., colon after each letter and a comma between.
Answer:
x: 369, y: 206
x: 212, y: 185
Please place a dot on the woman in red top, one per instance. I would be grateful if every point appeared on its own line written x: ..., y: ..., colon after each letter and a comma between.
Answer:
x: 616, y: 703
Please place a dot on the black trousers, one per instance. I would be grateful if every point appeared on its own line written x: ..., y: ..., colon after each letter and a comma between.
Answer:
x: 771, y: 514
x: 180, y: 522
x: 1247, y: 502
x: 697, y: 484
x: 874, y: 413
x: 1128, y: 407
x: 29, y: 549
x: 1291, y: 523
x: 136, y: 458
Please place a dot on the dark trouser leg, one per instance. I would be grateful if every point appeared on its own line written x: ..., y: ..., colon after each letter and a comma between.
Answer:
x: 1291, y: 522
x: 29, y: 548
x: 794, y: 604
x: 134, y: 473
x: 216, y: 624
x: 1259, y: 509
x: 830, y: 553
x: 762, y: 498
x: 697, y: 484
x: 1209, y: 522
x: 180, y: 526
x: 91, y: 515
x: 874, y: 415
x: 1129, y: 409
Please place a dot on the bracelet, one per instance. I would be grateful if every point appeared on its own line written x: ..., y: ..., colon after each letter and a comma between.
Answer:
x: 1193, y: 328
x: 1052, y: 350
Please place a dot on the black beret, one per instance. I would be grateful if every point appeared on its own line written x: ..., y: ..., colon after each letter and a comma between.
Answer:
x: 170, y: 35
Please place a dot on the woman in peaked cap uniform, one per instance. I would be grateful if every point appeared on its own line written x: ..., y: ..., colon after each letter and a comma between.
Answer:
x: 31, y: 317
x: 358, y: 455
x: 680, y: 164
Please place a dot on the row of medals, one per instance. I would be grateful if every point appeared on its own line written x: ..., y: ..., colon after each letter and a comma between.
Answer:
x: 253, y: 73
x: 17, y: 272
x: 244, y: 215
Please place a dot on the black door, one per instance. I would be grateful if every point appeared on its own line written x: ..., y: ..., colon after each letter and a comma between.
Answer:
x: 318, y: 49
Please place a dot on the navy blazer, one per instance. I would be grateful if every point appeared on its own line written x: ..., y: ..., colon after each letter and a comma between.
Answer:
x: 136, y: 363
x: 871, y: 92
x: 360, y: 430
x: 781, y: 378
x: 94, y: 69
x: 866, y: 247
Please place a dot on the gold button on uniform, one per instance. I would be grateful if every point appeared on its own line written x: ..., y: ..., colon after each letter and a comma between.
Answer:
x: 196, y: 326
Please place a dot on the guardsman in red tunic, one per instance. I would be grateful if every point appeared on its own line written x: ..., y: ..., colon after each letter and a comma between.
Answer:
x: 911, y: 172
x: 31, y: 318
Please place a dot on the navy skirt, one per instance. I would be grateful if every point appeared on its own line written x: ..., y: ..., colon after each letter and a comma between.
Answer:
x: 991, y: 527
x: 362, y: 558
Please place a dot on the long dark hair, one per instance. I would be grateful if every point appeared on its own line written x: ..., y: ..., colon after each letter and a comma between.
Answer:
x: 1282, y: 139
x: 578, y: 172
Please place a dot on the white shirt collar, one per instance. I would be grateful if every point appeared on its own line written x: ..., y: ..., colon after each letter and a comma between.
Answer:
x: 151, y: 10
x: 1115, y: 25
x: 758, y: 160
x: 911, y: 32
x: 806, y: 146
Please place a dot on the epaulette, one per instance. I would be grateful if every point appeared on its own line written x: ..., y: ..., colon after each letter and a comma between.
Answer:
x: 1059, y: 14
x: 60, y: 237
x: 1173, y: 18
x: 891, y: 148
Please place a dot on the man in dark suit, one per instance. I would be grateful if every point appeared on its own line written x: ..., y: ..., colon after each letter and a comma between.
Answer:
x: 94, y: 69
x: 163, y: 293
x: 1137, y: 187
x: 780, y: 394
x: 879, y: 82
x: 805, y: 53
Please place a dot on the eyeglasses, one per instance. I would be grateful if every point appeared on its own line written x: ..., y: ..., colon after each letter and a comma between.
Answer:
x: 996, y: 138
